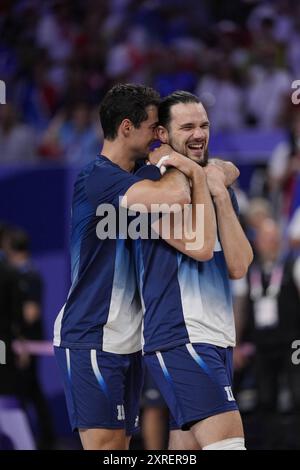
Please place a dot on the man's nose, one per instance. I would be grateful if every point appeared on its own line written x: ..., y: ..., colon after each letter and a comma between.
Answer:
x: 199, y: 133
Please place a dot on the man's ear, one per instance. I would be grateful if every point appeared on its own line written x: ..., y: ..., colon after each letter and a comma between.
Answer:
x: 125, y: 127
x: 162, y: 134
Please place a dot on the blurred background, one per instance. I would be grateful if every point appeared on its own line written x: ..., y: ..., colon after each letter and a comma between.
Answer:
x: 58, y: 58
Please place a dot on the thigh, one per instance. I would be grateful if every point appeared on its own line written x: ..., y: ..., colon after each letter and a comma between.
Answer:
x: 103, y: 439
x: 182, y: 440
x: 217, y: 428
x: 94, y: 383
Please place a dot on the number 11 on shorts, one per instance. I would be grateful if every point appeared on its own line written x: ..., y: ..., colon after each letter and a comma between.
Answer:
x: 229, y: 393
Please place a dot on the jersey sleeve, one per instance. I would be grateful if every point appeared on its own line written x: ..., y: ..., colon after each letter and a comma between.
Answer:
x: 234, y: 201
x: 107, y: 184
x: 148, y: 172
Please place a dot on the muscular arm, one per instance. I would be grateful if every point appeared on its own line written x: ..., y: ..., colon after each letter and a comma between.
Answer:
x: 198, y: 235
x: 170, y: 189
x: 230, y: 171
x: 188, y: 232
x: 237, y: 250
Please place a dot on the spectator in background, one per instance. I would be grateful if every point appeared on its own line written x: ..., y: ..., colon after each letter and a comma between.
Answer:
x: 293, y: 46
x: 268, y: 86
x: 29, y: 327
x: 273, y: 324
x: 172, y: 73
x: 9, y: 312
x: 262, y: 23
x: 258, y: 211
x: 56, y: 30
x: 284, y: 168
x: 17, y: 141
x: 74, y: 140
x: 14, y: 429
x: 294, y: 231
x: 223, y: 96
x: 35, y: 91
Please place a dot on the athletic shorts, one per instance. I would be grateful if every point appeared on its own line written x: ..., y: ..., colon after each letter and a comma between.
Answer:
x: 195, y: 381
x: 102, y: 389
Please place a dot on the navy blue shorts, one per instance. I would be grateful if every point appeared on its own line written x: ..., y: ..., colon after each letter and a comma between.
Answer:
x: 102, y: 389
x: 195, y: 381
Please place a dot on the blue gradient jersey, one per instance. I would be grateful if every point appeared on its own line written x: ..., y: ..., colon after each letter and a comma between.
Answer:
x: 103, y: 307
x: 184, y: 301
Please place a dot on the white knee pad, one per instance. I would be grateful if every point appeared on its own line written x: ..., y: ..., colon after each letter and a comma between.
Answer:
x: 235, y: 443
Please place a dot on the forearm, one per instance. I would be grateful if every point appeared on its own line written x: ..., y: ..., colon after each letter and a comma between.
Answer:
x: 192, y: 231
x: 174, y: 178
x: 201, y: 197
x: 172, y: 190
x: 237, y: 250
x: 172, y: 181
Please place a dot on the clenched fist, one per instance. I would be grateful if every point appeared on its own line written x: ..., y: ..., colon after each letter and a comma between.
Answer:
x: 215, y: 179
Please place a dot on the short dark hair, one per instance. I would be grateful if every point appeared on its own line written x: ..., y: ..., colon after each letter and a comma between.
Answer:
x: 126, y: 101
x: 164, y: 110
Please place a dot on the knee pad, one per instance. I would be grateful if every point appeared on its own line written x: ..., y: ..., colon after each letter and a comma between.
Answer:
x: 235, y: 443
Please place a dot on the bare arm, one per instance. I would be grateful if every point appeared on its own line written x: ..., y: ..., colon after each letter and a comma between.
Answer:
x: 197, y: 234
x: 237, y: 250
x: 230, y: 171
x: 170, y: 189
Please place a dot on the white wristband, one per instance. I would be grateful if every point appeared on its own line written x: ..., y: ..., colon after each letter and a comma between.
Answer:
x: 160, y: 165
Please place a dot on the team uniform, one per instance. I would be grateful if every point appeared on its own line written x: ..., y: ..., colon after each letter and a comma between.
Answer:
x: 188, y: 326
x: 97, y: 334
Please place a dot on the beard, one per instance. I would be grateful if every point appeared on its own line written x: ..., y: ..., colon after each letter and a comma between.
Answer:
x: 204, y: 161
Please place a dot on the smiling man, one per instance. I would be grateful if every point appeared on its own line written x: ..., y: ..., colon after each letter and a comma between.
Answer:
x: 184, y: 125
x: 189, y: 328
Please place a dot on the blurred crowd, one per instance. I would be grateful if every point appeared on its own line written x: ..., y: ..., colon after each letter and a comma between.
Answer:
x: 58, y: 59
